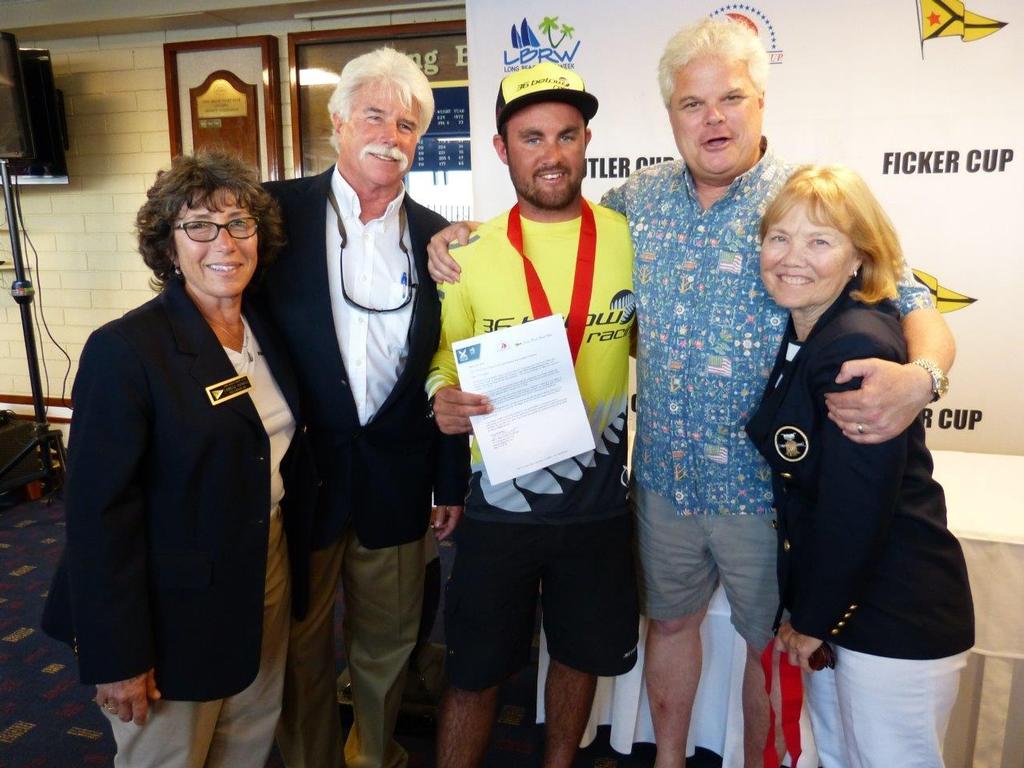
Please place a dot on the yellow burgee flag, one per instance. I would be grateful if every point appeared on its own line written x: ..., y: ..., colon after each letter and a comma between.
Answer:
x: 949, y: 18
x: 946, y: 300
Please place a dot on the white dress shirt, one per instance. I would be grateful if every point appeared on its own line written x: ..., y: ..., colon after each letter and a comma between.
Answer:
x: 374, y: 345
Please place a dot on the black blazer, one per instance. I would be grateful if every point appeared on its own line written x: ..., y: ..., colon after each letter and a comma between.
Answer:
x: 865, y: 558
x: 379, y: 475
x: 168, y: 502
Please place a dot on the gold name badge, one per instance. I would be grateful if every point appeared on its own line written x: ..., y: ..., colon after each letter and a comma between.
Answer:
x: 228, y: 389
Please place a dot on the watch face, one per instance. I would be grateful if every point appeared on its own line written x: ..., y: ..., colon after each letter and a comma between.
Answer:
x: 940, y: 382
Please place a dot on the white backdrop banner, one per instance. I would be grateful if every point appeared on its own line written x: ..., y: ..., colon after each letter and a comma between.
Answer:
x: 924, y: 98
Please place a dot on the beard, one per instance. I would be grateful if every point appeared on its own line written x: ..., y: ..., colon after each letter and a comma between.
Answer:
x: 392, y: 152
x: 542, y: 196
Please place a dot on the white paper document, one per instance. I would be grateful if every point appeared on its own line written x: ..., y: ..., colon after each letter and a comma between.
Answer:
x: 538, y: 418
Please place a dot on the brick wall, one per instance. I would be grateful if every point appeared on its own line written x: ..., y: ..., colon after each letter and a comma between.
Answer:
x: 89, y: 271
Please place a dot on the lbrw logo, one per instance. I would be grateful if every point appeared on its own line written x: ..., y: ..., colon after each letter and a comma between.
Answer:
x: 556, y: 43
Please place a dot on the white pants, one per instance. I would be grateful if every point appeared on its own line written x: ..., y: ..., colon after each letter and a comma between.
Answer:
x: 236, y: 731
x: 878, y: 712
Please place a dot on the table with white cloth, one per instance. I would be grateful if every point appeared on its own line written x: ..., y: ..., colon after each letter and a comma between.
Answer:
x: 983, y: 498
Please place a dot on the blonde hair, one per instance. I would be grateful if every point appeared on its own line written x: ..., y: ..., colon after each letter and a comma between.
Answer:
x: 722, y: 37
x: 837, y: 197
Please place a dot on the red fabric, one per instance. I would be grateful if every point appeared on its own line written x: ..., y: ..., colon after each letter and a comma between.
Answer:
x: 791, y: 697
x: 583, y: 281
x: 791, y: 688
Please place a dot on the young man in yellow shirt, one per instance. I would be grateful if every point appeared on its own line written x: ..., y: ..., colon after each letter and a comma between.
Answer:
x: 567, y: 526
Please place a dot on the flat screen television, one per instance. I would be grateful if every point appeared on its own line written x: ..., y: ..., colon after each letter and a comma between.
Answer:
x: 15, y: 131
x: 46, y: 163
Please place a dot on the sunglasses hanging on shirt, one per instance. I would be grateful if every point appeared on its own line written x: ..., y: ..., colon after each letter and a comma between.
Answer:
x: 408, y: 284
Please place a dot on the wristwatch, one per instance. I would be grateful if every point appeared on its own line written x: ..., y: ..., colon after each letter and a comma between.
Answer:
x: 940, y: 382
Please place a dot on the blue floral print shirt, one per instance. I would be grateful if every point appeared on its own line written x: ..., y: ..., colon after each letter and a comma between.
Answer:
x: 708, y: 334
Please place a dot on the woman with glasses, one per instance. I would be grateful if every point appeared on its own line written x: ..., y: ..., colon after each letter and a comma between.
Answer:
x: 875, y: 586
x: 190, y: 487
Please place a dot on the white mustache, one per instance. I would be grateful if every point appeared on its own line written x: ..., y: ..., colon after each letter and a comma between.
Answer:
x: 384, y: 151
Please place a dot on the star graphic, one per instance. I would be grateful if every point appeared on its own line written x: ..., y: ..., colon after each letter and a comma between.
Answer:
x: 934, y: 19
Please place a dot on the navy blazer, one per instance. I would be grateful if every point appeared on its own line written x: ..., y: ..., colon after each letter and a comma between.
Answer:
x: 379, y: 475
x: 167, y: 502
x: 865, y: 558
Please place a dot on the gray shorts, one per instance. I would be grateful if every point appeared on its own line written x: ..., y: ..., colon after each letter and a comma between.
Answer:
x: 682, y: 558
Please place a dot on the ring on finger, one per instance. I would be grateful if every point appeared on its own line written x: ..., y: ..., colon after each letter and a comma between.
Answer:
x: 860, y: 429
x: 111, y: 708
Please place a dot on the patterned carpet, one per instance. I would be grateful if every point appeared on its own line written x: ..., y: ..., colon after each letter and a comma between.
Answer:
x: 48, y: 720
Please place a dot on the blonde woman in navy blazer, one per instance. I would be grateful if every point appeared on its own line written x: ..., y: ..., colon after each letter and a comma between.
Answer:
x: 866, y: 562
x: 190, y: 488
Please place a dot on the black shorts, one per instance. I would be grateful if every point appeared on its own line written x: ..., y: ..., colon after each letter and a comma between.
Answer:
x: 585, y: 574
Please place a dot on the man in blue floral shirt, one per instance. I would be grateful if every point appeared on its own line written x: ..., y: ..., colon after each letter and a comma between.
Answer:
x: 708, y: 335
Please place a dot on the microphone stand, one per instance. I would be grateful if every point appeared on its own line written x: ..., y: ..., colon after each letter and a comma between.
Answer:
x: 46, y: 441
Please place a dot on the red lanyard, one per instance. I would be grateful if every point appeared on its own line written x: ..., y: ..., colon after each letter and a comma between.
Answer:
x: 583, y: 281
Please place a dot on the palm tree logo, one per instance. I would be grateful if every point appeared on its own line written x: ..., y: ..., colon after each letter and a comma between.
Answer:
x: 550, y: 24
x: 523, y: 35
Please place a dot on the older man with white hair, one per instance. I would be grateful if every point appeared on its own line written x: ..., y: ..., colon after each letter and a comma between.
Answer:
x: 707, y: 335
x: 351, y: 295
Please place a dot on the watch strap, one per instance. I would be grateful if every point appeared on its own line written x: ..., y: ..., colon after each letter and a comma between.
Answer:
x: 940, y: 382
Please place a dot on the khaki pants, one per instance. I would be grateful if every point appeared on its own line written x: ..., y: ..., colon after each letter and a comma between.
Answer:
x: 231, y: 732
x: 383, y: 595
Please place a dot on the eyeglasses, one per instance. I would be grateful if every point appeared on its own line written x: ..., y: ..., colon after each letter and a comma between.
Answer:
x: 208, y: 231
x: 409, y: 285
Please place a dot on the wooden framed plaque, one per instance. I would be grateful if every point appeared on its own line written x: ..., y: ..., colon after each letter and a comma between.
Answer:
x: 224, y: 115
x: 226, y: 93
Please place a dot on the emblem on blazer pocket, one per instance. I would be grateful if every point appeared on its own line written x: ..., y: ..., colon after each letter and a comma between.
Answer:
x: 791, y: 443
